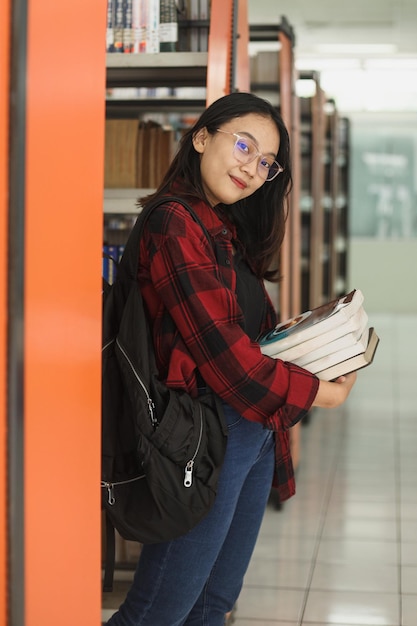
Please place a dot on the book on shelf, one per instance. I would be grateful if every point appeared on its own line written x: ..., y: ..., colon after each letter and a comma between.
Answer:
x: 120, y: 161
x: 118, y: 25
x: 168, y: 26
x: 127, y: 26
x: 151, y: 26
x: 110, y: 25
x: 319, y: 339
x: 137, y: 153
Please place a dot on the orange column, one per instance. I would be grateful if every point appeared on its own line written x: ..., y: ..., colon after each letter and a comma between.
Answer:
x: 219, y: 75
x: 242, y: 79
x: 4, y: 173
x: 65, y: 89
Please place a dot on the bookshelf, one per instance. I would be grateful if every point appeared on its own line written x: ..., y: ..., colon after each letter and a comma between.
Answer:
x: 340, y: 236
x: 313, y: 253
x: 273, y: 77
x: 203, y: 76
x: 324, y: 207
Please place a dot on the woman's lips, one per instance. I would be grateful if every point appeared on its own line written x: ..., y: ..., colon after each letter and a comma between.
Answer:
x: 239, y: 182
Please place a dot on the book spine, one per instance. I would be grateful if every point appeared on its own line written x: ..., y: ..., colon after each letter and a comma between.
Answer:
x: 118, y: 25
x: 105, y: 263
x: 139, y: 19
x: 204, y: 13
x: 152, y: 30
x: 127, y: 26
x: 110, y: 26
x: 168, y: 26
x: 193, y: 34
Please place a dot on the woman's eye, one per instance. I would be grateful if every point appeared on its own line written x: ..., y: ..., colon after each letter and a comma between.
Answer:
x: 243, y: 146
x: 266, y: 164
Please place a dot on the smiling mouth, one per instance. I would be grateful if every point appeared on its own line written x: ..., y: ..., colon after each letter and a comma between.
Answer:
x: 239, y: 182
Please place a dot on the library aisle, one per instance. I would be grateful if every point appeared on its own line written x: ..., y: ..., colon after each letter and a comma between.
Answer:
x: 343, y: 551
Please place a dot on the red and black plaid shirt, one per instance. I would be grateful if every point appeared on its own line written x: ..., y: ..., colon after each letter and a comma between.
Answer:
x: 189, y: 287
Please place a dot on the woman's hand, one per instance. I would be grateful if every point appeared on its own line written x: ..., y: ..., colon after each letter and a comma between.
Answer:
x: 332, y: 394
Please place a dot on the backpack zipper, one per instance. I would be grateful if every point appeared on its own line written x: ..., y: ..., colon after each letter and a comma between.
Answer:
x: 151, y: 404
x: 188, y: 474
x: 110, y: 487
x: 188, y: 471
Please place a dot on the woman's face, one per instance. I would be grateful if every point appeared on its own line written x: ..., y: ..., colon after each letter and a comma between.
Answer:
x: 225, y: 179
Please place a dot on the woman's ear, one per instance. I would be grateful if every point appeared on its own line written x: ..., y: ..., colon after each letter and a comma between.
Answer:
x: 200, y: 140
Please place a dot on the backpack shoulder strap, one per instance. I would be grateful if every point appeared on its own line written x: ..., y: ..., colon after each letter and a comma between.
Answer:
x: 128, y: 262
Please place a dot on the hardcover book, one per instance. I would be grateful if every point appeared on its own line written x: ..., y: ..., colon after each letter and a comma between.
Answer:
x: 353, y: 364
x: 320, y: 364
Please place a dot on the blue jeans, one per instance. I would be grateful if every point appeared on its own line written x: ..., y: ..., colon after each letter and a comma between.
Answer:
x: 196, y: 579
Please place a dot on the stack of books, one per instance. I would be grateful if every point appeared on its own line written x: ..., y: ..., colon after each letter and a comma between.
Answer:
x: 329, y: 341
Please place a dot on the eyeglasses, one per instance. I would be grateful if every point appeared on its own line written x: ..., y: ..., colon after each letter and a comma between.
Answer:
x: 246, y: 151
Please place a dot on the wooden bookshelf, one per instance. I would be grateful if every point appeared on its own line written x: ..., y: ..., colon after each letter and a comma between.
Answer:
x: 324, y: 197
x: 273, y: 77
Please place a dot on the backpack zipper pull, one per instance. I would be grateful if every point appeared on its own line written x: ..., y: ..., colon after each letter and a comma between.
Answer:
x: 110, y: 492
x: 188, y: 478
x: 151, y: 408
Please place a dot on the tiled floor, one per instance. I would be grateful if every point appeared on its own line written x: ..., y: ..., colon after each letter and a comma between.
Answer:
x: 343, y: 551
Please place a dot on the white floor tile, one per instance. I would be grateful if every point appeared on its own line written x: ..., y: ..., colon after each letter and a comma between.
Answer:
x: 355, y: 577
x: 270, y: 604
x: 365, y: 608
x: 409, y: 610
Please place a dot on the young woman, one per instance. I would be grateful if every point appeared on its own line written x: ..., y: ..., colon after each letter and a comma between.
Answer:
x: 208, y: 305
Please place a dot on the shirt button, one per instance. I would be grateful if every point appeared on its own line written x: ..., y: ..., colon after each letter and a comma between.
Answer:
x: 227, y: 261
x: 224, y: 231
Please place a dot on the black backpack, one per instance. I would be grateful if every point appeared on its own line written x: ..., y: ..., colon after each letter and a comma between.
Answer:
x: 162, y: 451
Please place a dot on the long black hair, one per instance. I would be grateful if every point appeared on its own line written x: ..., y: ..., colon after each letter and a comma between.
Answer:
x: 260, y: 218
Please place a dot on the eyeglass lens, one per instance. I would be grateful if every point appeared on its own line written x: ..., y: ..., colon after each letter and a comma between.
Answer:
x: 246, y: 152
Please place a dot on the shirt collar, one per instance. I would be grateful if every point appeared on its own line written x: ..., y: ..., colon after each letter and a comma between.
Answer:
x: 215, y: 219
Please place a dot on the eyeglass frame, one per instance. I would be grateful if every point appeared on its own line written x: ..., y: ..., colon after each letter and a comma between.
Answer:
x: 280, y: 169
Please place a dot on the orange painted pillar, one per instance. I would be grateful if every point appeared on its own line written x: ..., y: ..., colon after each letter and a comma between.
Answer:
x: 242, y: 78
x: 58, y: 52
x: 220, y: 46
x: 4, y: 175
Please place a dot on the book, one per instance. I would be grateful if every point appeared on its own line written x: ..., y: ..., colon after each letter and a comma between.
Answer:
x: 347, y: 334
x: 152, y: 27
x: 355, y: 363
x: 139, y: 22
x: 120, y: 162
x: 168, y: 26
x: 127, y: 26
x: 110, y: 25
x: 320, y: 364
x: 313, y: 323
x: 118, y: 26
